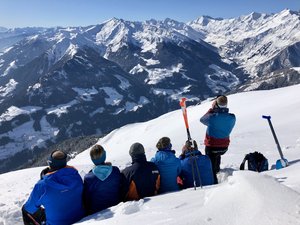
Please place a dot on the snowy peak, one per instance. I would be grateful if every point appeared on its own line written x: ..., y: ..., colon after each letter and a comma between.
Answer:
x: 255, y: 22
x: 204, y: 20
x: 255, y: 16
x: 252, y: 40
x: 113, y: 31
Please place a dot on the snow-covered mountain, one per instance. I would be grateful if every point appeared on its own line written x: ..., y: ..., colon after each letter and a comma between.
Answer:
x: 242, y: 197
x: 68, y: 82
x: 259, y: 43
x: 58, y: 83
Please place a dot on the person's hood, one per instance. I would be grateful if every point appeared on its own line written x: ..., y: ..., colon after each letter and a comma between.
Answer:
x: 138, y: 158
x: 165, y: 155
x: 64, y: 178
x: 102, y: 171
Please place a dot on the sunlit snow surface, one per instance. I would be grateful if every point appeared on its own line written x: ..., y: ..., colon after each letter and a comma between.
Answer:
x: 242, y: 197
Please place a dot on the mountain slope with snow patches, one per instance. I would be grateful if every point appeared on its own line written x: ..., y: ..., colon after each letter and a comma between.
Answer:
x: 242, y: 197
x: 80, y: 78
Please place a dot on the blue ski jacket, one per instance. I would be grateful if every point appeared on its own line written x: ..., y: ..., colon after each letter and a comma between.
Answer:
x: 219, y: 124
x: 60, y: 193
x: 169, y: 167
x: 200, y: 164
x: 102, y: 188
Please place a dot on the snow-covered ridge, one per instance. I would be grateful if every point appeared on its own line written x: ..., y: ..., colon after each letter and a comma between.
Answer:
x: 246, y: 26
x: 258, y: 37
x: 249, y: 40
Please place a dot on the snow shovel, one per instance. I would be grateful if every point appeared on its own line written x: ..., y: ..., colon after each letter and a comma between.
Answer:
x: 280, y: 163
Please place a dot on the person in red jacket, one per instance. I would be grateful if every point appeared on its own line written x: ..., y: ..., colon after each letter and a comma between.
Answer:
x: 219, y: 124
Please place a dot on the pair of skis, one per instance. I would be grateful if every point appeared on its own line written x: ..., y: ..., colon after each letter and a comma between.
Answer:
x: 191, y: 142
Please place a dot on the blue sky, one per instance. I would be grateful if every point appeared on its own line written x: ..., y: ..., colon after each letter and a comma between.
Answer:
x: 49, y: 13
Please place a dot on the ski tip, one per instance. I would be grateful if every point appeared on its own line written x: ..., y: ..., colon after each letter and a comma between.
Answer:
x: 182, y: 102
x: 266, y: 117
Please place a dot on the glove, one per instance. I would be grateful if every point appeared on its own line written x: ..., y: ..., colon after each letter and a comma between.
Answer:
x: 191, y: 145
x: 214, y: 104
x: 44, y: 172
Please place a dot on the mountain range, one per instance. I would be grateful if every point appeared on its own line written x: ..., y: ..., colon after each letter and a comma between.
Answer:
x: 58, y: 83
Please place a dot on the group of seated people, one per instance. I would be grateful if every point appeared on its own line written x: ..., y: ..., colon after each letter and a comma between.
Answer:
x: 62, y: 198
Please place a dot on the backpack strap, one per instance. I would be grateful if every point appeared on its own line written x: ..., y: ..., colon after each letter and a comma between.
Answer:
x: 242, y: 166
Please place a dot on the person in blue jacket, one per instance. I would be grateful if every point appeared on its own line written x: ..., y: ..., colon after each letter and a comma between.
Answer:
x: 102, y: 185
x: 57, y: 198
x: 219, y: 124
x: 196, y: 169
x: 168, y: 164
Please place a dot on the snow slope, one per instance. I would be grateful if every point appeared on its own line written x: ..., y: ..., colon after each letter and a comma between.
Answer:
x: 242, y: 197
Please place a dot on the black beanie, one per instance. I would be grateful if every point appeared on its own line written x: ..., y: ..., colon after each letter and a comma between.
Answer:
x: 136, y: 149
x: 57, y: 160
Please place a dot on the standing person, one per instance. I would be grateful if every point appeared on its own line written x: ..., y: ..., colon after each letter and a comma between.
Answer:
x: 102, y: 185
x: 57, y: 197
x: 219, y: 124
x: 142, y: 178
x: 195, y: 167
x: 168, y: 164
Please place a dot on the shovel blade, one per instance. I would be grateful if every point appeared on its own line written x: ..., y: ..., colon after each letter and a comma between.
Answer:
x: 281, y: 163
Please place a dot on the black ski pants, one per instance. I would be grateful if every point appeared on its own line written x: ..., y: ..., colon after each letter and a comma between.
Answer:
x: 214, y: 153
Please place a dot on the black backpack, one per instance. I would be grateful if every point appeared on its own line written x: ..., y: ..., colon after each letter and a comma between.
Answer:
x: 256, y: 162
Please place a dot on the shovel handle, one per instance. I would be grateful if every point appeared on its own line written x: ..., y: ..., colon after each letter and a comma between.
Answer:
x: 266, y: 117
x: 274, y: 135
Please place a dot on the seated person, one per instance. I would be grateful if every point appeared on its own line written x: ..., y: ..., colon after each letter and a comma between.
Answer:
x: 168, y: 165
x: 196, y: 169
x: 102, y: 185
x: 142, y: 177
x: 57, y: 197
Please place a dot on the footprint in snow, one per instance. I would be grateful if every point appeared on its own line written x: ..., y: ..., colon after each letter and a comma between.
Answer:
x: 224, y: 174
x: 132, y: 207
x: 208, y: 219
x: 19, y: 203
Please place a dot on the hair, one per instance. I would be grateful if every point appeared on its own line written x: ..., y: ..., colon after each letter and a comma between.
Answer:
x: 57, y: 160
x: 163, y: 143
x: 58, y: 154
x: 222, y: 101
x: 96, y: 151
